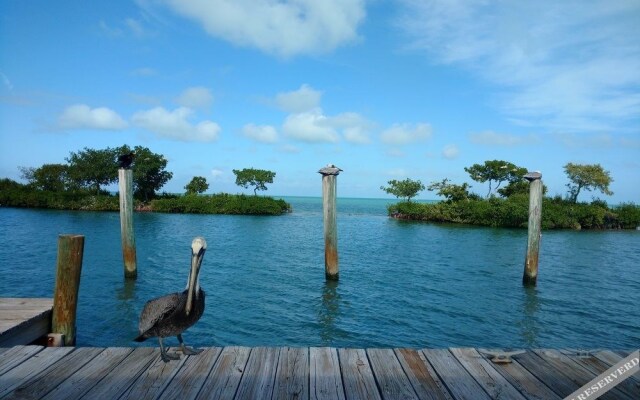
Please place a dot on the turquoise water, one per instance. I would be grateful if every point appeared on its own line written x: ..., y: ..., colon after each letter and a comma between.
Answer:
x: 402, y: 284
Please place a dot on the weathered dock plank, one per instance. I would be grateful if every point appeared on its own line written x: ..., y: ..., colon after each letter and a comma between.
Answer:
x: 259, y: 375
x: 391, y: 378
x: 424, y: 379
x: 483, y: 372
x: 152, y: 382
x: 357, y: 375
x: 188, y: 381
x: 459, y: 382
x: 34, y: 372
x: 576, y: 373
x: 23, y: 320
x: 292, y: 380
x: 30, y: 367
x: 81, y: 381
x: 325, y: 381
x: 225, y: 376
x: 38, y: 385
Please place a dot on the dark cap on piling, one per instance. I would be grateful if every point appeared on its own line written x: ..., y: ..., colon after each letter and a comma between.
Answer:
x: 532, y: 176
x: 330, y: 169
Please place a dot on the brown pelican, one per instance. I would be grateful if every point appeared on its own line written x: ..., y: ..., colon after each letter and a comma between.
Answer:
x: 330, y: 169
x: 172, y: 314
x: 125, y: 160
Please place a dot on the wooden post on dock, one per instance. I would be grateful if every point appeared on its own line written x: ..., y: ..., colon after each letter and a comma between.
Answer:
x: 125, y: 186
x: 535, y: 217
x: 65, y: 297
x: 329, y: 174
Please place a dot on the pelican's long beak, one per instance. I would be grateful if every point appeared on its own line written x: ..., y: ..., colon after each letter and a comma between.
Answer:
x: 198, y: 248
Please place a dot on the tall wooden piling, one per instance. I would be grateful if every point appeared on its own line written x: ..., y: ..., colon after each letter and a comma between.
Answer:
x: 65, y: 297
x: 535, y: 217
x: 329, y: 174
x: 125, y: 186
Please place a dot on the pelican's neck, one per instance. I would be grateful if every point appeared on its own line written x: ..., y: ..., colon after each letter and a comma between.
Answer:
x: 197, y: 288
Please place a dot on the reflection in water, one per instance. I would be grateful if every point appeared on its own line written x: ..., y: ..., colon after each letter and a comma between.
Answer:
x: 528, y: 325
x: 128, y: 290
x: 329, y: 312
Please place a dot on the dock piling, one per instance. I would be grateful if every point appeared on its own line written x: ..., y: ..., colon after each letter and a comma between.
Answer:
x: 65, y: 298
x: 329, y: 174
x: 533, y: 239
x: 125, y: 186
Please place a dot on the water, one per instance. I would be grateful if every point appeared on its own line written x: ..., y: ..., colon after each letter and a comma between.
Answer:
x: 402, y: 284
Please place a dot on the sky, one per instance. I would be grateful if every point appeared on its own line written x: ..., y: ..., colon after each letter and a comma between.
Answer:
x: 384, y: 89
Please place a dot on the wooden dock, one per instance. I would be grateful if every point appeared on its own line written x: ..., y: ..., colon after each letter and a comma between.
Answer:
x: 23, y: 320
x: 35, y: 372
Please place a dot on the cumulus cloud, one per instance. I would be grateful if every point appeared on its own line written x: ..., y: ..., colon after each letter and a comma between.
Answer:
x: 81, y: 116
x: 216, y: 173
x: 195, y: 97
x: 402, y: 134
x: 558, y: 64
x: 176, y: 125
x: 450, y: 151
x: 284, y: 28
x: 260, y: 133
x: 314, y: 126
x: 304, y: 99
x: 492, y: 138
x: 310, y: 126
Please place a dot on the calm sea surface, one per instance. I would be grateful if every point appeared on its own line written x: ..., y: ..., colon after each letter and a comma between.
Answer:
x: 402, y: 284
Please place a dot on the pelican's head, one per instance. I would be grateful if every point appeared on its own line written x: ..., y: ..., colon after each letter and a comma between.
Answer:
x: 198, y: 247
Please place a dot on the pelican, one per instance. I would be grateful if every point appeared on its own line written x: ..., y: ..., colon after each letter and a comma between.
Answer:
x: 330, y: 169
x: 173, y: 313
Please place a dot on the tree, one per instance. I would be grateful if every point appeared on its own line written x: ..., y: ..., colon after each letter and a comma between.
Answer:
x: 407, y: 188
x: 254, y: 177
x: 496, y: 170
x: 451, y: 191
x: 93, y: 168
x: 587, y: 177
x: 149, y: 173
x: 49, y: 177
x: 197, y: 185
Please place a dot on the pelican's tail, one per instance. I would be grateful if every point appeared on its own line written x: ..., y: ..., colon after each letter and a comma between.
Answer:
x: 140, y: 338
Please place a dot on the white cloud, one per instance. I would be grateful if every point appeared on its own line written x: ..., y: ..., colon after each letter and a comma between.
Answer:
x: 216, y: 173
x: 175, y: 125
x: 81, y: 116
x: 450, y: 151
x: 260, y: 133
x: 304, y: 99
x: 6, y: 82
x: 195, y: 97
x: 144, y: 71
x: 491, y: 138
x: 401, y: 134
x: 355, y: 128
x: 596, y: 141
x: 310, y: 126
x: 284, y: 28
x: 560, y: 64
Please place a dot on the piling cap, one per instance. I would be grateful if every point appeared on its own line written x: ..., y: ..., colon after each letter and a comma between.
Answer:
x: 532, y: 176
x: 330, y: 169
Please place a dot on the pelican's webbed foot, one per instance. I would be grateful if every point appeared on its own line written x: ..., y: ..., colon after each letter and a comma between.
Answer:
x: 166, y: 357
x: 186, y: 350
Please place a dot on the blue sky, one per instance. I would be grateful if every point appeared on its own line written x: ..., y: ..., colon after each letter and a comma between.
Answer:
x: 383, y: 89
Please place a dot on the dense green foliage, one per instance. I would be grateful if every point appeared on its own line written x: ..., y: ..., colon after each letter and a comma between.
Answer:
x: 90, y: 170
x: 14, y: 194
x: 587, y: 177
x: 257, y: 178
x: 222, y: 203
x: 557, y: 213
x: 406, y: 189
x: 197, y: 185
x: 497, y: 171
x: 451, y: 191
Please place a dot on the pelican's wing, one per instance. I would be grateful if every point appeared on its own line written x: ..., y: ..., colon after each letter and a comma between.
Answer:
x: 157, y: 309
